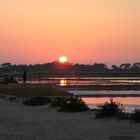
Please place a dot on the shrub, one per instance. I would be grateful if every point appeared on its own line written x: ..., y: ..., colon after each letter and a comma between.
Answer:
x: 136, y: 115
x: 57, y: 102
x: 36, y: 101
x: 72, y: 104
x: 109, y: 109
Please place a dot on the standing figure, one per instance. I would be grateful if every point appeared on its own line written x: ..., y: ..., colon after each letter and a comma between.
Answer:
x: 25, y: 77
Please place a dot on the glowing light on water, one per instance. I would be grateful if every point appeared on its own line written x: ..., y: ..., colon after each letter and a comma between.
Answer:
x: 63, y: 82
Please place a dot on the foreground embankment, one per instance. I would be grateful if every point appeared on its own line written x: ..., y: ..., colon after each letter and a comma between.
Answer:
x: 20, y: 122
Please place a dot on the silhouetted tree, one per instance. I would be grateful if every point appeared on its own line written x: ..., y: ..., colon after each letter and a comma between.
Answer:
x: 68, y: 68
x: 125, y: 66
x: 99, y: 67
x: 135, y: 66
x: 114, y: 67
x: 5, y: 65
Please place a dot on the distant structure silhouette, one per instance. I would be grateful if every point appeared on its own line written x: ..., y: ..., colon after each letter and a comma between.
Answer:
x: 24, y: 77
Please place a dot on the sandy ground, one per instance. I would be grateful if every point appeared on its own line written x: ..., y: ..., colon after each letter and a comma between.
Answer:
x: 19, y: 122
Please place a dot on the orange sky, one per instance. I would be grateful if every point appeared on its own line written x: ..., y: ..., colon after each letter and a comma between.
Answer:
x: 86, y: 31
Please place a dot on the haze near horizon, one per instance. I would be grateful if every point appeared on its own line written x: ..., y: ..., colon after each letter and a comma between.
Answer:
x: 88, y: 31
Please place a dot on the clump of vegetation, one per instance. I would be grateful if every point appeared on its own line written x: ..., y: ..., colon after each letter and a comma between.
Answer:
x: 37, y: 101
x: 27, y: 90
x: 111, y: 108
x: 72, y: 104
x: 58, y: 102
x: 136, y: 115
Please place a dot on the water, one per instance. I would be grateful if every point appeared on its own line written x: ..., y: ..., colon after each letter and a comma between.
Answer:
x: 76, y: 81
x: 129, y: 101
x: 96, y: 98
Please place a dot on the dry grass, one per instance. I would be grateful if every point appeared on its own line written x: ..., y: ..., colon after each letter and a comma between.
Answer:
x: 32, y: 90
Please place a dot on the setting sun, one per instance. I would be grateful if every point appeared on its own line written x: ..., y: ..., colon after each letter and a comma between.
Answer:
x: 63, y: 59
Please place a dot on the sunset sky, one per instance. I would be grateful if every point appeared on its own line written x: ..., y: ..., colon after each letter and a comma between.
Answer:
x: 86, y: 31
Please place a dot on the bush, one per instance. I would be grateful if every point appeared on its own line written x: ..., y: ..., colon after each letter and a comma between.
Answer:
x: 136, y: 116
x: 58, y: 102
x: 36, y: 101
x: 72, y: 104
x: 109, y: 109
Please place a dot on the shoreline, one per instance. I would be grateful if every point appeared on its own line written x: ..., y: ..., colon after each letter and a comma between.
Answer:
x: 50, y: 90
x: 33, y: 90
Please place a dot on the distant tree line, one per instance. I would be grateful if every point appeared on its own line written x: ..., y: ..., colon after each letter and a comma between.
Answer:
x: 68, y: 68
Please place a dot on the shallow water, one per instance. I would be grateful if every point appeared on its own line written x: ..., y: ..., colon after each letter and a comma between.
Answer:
x: 65, y: 81
x: 130, y: 103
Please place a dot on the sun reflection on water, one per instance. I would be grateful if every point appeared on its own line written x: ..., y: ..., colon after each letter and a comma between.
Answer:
x: 63, y: 82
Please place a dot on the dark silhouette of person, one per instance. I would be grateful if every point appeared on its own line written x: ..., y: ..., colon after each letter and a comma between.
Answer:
x: 24, y: 77
x: 6, y: 80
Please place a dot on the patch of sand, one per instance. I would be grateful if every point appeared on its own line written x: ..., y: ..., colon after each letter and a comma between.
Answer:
x: 19, y: 122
